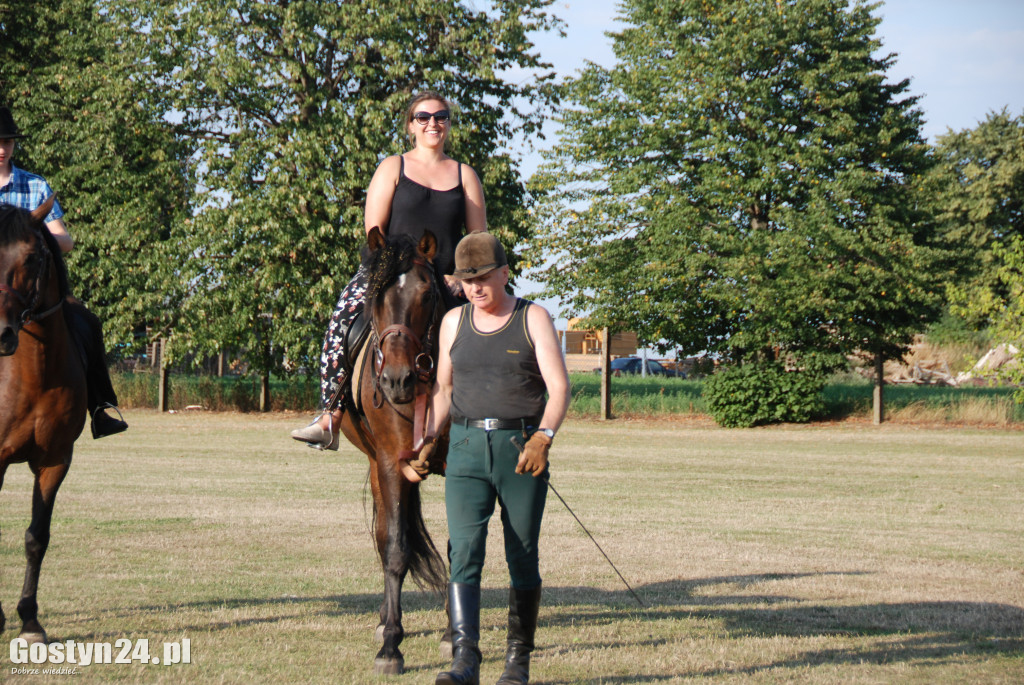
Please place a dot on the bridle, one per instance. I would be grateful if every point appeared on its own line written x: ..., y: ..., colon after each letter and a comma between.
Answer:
x: 423, y: 362
x: 29, y: 303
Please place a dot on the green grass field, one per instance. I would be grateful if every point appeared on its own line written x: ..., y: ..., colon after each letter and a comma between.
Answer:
x: 816, y: 554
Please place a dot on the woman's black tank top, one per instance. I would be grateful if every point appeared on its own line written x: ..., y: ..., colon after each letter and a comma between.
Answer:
x: 415, y: 208
x: 496, y: 375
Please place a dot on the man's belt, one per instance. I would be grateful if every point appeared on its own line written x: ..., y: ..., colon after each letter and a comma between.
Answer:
x: 497, y: 424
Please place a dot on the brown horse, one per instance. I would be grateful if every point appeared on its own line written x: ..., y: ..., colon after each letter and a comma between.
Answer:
x: 42, y: 382
x: 405, y: 307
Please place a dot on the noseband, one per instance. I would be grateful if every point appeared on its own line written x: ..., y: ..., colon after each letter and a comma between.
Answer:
x: 29, y: 303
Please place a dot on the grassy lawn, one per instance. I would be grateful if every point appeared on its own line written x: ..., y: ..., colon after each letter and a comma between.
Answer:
x: 813, y: 554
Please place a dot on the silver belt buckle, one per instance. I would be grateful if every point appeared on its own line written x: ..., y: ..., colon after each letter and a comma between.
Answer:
x: 491, y: 424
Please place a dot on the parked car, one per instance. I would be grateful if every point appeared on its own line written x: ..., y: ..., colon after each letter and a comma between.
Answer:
x: 632, y: 365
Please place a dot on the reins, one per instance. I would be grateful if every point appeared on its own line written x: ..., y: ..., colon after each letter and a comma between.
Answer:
x: 423, y: 361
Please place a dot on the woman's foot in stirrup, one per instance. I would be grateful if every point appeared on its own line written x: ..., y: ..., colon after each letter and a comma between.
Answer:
x: 103, y: 424
x: 317, y: 436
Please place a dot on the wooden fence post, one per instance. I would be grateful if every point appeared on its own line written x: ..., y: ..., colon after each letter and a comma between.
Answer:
x: 163, y: 391
x: 606, y: 375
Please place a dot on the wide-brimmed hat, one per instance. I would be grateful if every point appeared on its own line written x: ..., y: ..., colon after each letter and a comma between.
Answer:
x: 8, y: 129
x: 478, y: 254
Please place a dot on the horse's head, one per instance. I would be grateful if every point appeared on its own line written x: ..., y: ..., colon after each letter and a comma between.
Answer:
x: 405, y: 306
x: 24, y: 268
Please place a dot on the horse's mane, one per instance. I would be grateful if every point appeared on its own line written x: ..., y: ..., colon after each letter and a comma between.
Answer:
x: 386, y: 264
x: 16, y: 226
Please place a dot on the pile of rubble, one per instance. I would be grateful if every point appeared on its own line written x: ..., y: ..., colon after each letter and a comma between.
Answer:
x: 923, y: 371
x: 1000, y: 357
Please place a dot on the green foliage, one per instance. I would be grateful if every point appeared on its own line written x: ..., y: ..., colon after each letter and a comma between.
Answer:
x: 756, y: 394
x: 290, y: 107
x: 981, y: 182
x: 1001, y: 304
x: 75, y: 78
x: 743, y: 180
x: 980, y: 195
x: 213, y: 157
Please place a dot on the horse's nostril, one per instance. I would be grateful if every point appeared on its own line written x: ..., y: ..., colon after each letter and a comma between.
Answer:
x: 400, y: 379
x: 8, y: 339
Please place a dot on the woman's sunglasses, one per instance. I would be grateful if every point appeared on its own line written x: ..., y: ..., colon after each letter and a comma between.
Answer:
x: 423, y: 118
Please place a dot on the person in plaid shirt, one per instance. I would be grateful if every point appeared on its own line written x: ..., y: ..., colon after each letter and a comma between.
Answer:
x: 27, y: 191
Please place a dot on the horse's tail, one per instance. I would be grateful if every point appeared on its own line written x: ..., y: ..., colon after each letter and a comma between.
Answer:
x: 426, y: 565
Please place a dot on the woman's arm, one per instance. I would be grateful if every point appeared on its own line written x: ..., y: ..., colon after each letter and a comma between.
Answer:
x: 476, y: 211
x: 60, y: 232
x: 380, y: 193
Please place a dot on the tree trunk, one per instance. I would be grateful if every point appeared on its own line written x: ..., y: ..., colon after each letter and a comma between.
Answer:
x: 265, y: 392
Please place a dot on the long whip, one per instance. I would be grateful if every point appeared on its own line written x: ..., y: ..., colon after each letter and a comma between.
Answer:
x: 547, y: 479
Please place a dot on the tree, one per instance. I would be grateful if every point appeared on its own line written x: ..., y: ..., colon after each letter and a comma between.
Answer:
x: 980, y: 182
x: 291, y: 105
x: 980, y: 190
x: 744, y: 182
x: 72, y: 73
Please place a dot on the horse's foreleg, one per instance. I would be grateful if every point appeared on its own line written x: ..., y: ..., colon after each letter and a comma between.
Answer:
x: 37, y: 539
x: 391, y: 543
x: 3, y: 618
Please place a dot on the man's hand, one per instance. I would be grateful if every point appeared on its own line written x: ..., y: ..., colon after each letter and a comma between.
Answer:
x: 534, y: 457
x: 421, y: 464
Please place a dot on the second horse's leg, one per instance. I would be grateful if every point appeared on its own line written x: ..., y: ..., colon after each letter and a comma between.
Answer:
x: 37, y: 539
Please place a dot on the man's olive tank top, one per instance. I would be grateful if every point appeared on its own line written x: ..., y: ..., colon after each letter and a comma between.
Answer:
x: 495, y: 375
x: 416, y: 207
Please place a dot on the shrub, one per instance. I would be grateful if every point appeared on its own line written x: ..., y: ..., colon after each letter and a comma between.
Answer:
x: 756, y: 394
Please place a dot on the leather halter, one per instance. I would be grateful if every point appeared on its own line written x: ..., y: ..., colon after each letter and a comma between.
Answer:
x: 423, y: 361
x: 28, y: 314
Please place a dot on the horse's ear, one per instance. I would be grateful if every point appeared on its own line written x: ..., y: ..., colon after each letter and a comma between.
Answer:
x: 375, y: 238
x: 428, y: 245
x: 40, y: 212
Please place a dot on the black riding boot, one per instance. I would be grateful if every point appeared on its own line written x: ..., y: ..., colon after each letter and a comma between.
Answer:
x: 523, y: 606
x: 87, y: 331
x: 464, y: 607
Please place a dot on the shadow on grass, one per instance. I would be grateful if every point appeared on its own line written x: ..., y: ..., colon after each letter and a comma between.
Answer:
x: 908, y: 632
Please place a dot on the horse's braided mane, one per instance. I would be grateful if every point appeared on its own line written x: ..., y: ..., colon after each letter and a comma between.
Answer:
x: 386, y: 264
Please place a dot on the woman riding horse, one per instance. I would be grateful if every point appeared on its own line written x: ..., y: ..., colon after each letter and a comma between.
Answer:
x: 423, y: 188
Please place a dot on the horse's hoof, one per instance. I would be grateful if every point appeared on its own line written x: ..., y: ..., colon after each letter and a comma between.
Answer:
x: 378, y: 634
x: 389, y: 666
x: 33, y: 638
x: 447, y: 653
